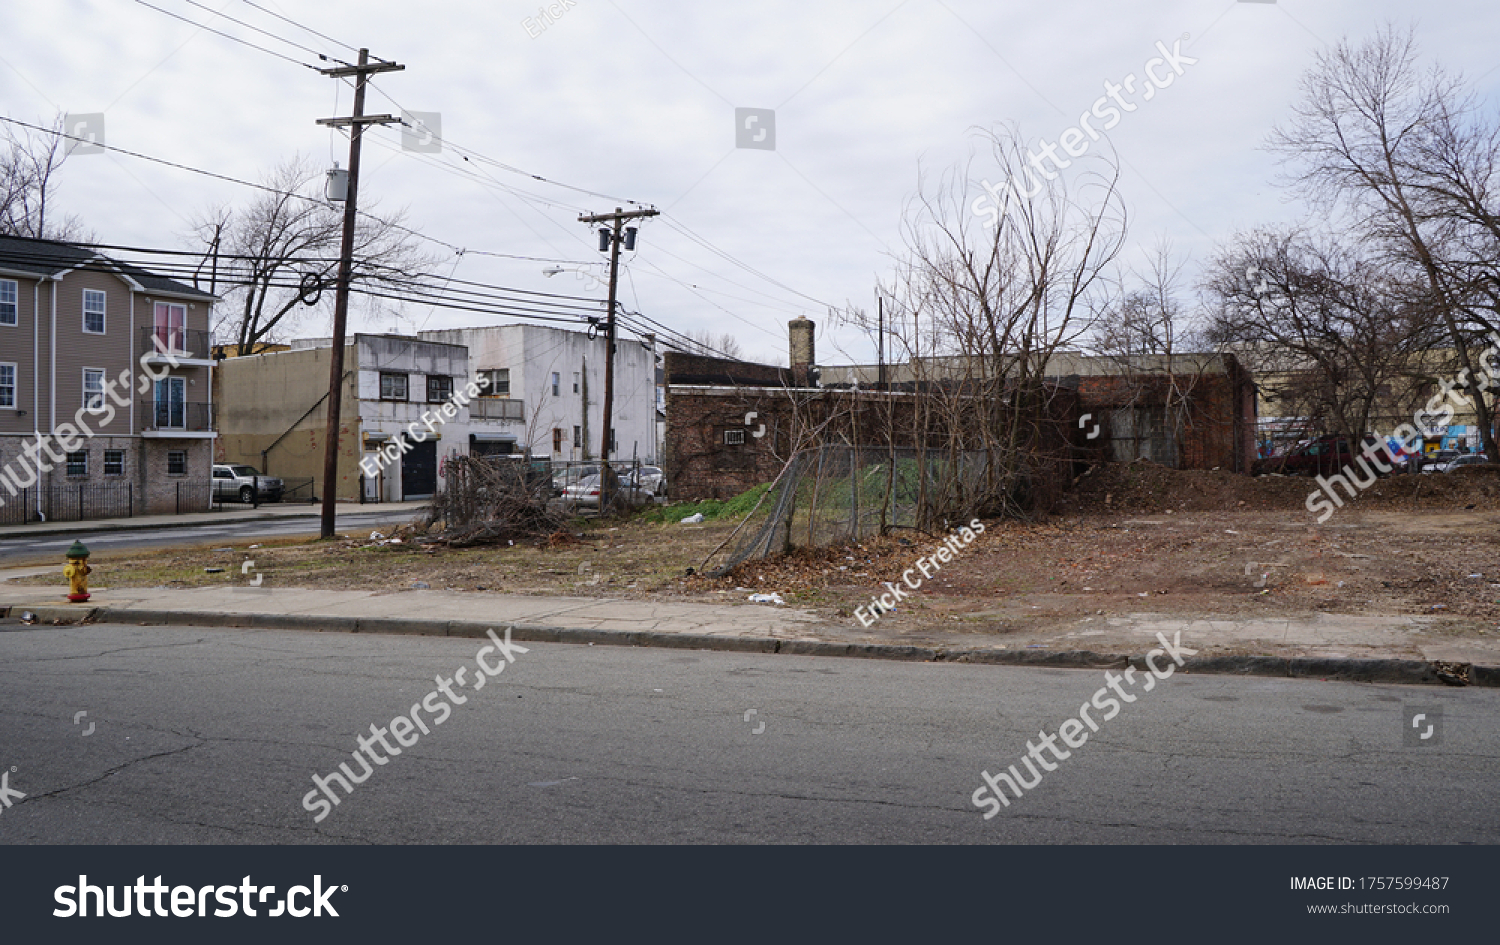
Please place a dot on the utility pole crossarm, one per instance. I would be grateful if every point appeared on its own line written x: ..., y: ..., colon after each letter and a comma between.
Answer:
x: 363, y: 68
x: 617, y: 215
x: 359, y: 120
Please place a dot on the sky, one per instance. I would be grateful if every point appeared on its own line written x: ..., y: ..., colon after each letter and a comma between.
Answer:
x: 611, y: 101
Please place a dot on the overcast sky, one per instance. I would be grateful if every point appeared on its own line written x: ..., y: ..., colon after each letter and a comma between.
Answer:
x: 636, y: 99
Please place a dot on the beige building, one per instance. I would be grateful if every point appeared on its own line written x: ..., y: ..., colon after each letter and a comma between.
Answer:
x: 393, y: 440
x: 106, y: 401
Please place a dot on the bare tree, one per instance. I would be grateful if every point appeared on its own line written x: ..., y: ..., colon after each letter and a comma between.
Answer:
x: 1161, y: 354
x: 979, y: 308
x: 280, y: 253
x: 28, y: 162
x: 1394, y: 151
x: 1327, y: 329
x: 716, y: 346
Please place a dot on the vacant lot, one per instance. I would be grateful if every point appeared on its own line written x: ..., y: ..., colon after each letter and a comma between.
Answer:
x: 1136, y: 540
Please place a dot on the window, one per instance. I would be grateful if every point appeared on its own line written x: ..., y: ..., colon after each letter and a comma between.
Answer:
x: 556, y: 383
x: 78, y: 463
x: 578, y: 436
x: 177, y: 462
x: 93, y: 389
x: 556, y: 437
x: 575, y: 382
x: 169, y: 327
x: 392, y: 386
x: 734, y: 437
x: 7, y: 385
x: 114, y: 462
x: 171, y: 403
x: 495, y: 383
x: 8, y: 307
x: 439, y: 388
x: 93, y: 311
x: 613, y: 446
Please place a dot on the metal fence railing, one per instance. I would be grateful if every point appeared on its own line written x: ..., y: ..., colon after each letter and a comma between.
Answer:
x: 297, y: 489
x: 69, y: 502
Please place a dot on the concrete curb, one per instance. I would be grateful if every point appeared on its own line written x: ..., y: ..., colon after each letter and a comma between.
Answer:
x: 1404, y: 672
x: 248, y: 515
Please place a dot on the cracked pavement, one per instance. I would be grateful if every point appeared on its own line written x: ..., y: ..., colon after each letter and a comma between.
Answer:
x: 213, y: 735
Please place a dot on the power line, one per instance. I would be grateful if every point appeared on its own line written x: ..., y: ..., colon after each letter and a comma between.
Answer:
x: 264, y: 32
x: 300, y: 26
x: 245, y: 42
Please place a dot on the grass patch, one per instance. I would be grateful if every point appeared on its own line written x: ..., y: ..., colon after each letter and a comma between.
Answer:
x: 712, y: 509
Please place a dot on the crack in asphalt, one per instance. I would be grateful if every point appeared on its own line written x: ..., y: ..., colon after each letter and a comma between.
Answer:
x: 29, y: 798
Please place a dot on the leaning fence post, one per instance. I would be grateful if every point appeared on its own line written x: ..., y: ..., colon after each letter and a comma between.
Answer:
x: 854, y: 490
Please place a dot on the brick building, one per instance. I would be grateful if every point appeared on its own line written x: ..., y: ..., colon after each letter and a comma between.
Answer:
x: 732, y: 425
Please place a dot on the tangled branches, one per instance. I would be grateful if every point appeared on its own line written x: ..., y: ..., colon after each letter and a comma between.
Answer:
x: 486, y: 501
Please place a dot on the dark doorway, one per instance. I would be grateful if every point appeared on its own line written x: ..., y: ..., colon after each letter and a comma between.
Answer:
x: 419, y: 471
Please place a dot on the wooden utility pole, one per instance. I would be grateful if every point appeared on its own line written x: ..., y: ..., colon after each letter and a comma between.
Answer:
x: 356, y: 125
x: 616, y: 220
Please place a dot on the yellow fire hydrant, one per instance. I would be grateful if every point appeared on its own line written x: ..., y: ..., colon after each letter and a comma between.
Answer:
x: 77, y: 571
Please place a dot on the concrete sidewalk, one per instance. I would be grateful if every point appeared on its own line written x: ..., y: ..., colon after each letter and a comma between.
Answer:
x: 229, y: 514
x: 1351, y: 647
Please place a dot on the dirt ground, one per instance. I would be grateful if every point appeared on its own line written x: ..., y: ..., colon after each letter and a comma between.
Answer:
x: 1134, y: 539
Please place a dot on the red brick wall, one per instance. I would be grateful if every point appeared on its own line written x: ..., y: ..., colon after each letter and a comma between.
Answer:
x: 1218, y: 428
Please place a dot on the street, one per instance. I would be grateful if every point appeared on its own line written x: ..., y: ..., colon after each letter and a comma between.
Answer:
x: 17, y: 551
x: 123, y: 734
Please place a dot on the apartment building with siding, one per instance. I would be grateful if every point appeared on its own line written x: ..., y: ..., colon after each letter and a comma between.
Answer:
x: 81, y: 330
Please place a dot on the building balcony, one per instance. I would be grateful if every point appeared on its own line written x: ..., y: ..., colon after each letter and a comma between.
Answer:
x: 497, y: 408
x: 184, y: 345
x: 176, y: 419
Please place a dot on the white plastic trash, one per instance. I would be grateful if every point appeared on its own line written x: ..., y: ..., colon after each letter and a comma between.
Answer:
x: 766, y: 599
x: 693, y: 519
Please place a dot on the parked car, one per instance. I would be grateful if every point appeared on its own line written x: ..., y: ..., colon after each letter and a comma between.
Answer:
x: 649, y: 478
x: 1434, y: 461
x: 571, y: 476
x: 1323, y: 456
x: 233, y: 481
x: 585, y: 493
x: 1467, y: 459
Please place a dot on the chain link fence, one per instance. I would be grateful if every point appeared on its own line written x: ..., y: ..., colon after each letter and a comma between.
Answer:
x: 832, y: 494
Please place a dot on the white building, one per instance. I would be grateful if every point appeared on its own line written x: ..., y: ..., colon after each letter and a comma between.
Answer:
x: 558, y: 377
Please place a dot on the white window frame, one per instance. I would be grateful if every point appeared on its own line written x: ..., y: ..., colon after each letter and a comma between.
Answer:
x: 405, y: 386
x: 68, y: 464
x: 15, y: 373
x: 183, y: 454
x: 14, y: 302
x: 98, y: 392
x: 121, y: 454
x: 556, y: 384
x: 103, y: 312
x: 734, y: 437
x: 490, y: 385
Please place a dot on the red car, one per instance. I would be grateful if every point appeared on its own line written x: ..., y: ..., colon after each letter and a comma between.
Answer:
x: 1324, y: 456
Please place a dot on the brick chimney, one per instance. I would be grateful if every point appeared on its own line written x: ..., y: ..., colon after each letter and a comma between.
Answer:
x: 800, y: 350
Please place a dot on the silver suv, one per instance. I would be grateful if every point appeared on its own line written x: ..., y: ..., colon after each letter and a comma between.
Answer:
x: 233, y: 481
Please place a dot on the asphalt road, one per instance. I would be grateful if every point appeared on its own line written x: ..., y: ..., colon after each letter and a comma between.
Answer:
x: 213, y: 736
x: 16, y: 551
